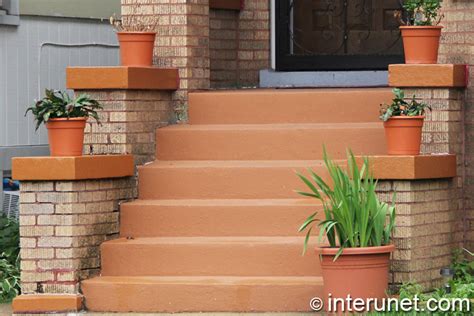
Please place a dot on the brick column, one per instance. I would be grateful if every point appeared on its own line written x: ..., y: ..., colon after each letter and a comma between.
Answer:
x: 182, y: 42
x: 136, y: 102
x: 432, y: 220
x: 428, y: 225
x: 68, y: 207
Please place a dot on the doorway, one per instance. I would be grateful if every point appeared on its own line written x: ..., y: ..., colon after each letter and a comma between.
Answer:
x: 314, y: 35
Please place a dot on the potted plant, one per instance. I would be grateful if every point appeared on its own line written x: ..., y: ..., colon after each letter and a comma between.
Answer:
x: 421, y: 30
x: 357, y: 228
x: 136, y: 35
x: 403, y: 122
x: 65, y: 118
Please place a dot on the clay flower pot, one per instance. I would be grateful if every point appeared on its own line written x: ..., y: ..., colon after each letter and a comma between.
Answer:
x: 358, y: 272
x: 66, y: 136
x: 403, y: 134
x: 136, y: 48
x: 421, y: 44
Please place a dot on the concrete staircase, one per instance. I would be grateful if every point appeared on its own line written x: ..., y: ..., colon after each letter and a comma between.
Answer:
x: 215, y: 225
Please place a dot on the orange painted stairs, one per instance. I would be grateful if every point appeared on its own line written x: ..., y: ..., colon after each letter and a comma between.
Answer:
x: 215, y: 225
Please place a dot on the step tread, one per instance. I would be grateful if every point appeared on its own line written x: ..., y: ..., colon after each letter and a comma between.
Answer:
x: 234, y: 163
x: 202, y: 240
x: 225, y: 202
x: 218, y: 280
x: 264, y: 127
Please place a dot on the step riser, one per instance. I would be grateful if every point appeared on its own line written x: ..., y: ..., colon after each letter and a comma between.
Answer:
x: 222, y: 183
x: 200, y: 298
x: 272, y: 144
x: 201, y: 259
x: 287, y: 106
x: 168, y: 221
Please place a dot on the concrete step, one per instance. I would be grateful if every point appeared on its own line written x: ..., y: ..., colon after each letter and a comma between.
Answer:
x: 268, y: 141
x: 207, y: 256
x: 187, y: 218
x: 269, y: 106
x: 224, y: 179
x: 201, y: 294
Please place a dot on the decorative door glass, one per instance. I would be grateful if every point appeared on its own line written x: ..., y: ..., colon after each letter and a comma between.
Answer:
x: 337, y: 34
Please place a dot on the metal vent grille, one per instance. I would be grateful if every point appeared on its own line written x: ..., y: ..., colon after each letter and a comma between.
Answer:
x: 11, y: 204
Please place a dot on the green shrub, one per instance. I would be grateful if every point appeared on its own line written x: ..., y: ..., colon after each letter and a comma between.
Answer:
x: 9, y: 259
x: 400, y: 107
x: 423, y: 12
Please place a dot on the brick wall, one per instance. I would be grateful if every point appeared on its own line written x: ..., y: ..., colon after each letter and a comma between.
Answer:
x: 239, y: 44
x: 457, y: 46
x: 62, y: 224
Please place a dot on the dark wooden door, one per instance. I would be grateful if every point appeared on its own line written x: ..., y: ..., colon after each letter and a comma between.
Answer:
x: 337, y: 34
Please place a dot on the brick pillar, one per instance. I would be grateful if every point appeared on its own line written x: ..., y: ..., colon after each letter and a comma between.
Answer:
x: 432, y: 220
x: 182, y: 42
x: 136, y: 102
x: 65, y: 215
x: 429, y: 228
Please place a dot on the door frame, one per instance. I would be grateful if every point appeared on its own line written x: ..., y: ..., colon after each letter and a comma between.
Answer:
x: 281, y: 60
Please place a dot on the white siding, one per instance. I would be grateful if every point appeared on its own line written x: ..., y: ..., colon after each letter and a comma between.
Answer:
x: 32, y: 59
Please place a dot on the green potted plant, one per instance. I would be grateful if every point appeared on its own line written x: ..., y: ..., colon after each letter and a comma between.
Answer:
x: 136, y: 35
x: 421, y: 31
x: 403, y: 122
x: 357, y: 228
x: 65, y: 118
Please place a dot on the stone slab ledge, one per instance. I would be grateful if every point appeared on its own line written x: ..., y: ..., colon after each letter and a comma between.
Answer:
x: 72, y: 168
x: 428, y: 76
x: 412, y: 167
x: 122, y: 78
x: 47, y: 303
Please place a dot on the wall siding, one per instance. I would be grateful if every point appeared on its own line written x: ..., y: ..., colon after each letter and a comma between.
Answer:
x: 28, y: 66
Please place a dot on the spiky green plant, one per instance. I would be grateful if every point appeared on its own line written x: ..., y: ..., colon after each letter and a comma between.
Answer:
x: 354, y: 215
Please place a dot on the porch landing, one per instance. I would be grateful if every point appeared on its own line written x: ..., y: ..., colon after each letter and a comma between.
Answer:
x: 323, y: 79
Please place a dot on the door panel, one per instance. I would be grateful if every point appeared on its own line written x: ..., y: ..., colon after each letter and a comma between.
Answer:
x: 337, y: 34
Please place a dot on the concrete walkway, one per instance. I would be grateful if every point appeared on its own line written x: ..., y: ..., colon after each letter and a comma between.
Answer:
x: 5, y: 310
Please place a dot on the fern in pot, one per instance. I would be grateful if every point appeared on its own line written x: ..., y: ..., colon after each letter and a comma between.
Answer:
x: 65, y: 118
x: 403, y: 122
x: 357, y: 228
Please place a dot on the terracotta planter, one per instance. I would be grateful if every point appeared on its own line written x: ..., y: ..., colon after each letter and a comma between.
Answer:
x: 66, y: 136
x: 136, y: 48
x: 421, y: 44
x: 358, y: 272
x: 403, y: 134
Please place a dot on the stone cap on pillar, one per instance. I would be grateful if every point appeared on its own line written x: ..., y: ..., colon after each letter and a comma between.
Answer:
x: 422, y: 167
x: 428, y: 76
x: 122, y: 78
x: 72, y: 168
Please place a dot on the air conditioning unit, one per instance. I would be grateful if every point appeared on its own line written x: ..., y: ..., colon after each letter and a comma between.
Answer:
x: 11, y: 204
